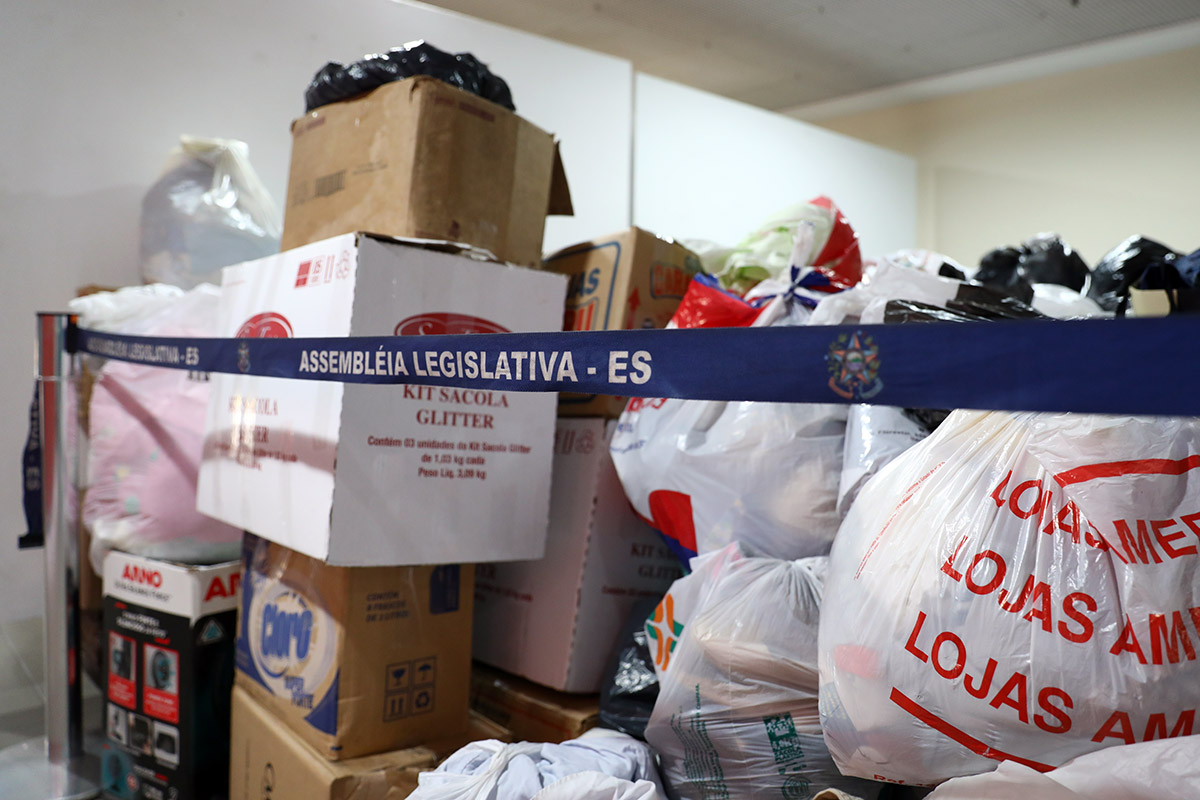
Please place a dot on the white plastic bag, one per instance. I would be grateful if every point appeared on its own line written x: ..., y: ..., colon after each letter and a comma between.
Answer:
x: 207, y: 210
x: 1016, y: 586
x: 146, y: 434
x: 600, y: 764
x: 1159, y: 770
x: 736, y: 714
x: 707, y: 473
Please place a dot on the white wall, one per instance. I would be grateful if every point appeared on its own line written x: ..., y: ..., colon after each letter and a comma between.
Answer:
x: 711, y: 168
x: 95, y: 94
x: 1097, y: 155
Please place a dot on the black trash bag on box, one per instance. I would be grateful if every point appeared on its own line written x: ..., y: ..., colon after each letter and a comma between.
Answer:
x: 336, y: 82
x: 630, y: 682
x: 1122, y: 268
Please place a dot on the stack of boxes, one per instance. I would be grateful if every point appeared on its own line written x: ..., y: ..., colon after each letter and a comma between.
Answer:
x: 410, y: 211
x: 386, y: 523
x: 556, y: 620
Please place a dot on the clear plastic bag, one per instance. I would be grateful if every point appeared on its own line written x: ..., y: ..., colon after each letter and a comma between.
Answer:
x: 1016, y: 586
x: 737, y: 714
x: 207, y: 210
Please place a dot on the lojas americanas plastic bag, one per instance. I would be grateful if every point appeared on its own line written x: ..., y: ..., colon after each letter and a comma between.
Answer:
x: 1015, y: 587
x: 736, y: 714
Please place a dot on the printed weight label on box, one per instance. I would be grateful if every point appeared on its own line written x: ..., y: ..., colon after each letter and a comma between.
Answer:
x: 293, y: 643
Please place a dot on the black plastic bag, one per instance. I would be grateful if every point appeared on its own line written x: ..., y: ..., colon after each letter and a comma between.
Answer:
x: 630, y: 682
x: 1122, y: 268
x: 336, y: 82
x: 1046, y: 258
x: 1179, y: 279
x: 1000, y: 269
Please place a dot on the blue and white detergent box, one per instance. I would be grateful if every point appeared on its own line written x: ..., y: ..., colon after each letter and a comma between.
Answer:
x: 356, y: 660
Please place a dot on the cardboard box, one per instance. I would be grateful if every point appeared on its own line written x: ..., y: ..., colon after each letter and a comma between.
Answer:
x: 269, y: 761
x: 627, y: 281
x: 533, y: 713
x: 356, y: 660
x: 556, y: 620
x: 421, y: 158
x: 360, y: 474
x: 169, y: 670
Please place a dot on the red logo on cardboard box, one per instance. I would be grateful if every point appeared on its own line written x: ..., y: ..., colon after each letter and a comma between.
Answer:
x: 439, y: 323
x: 137, y: 574
x: 267, y: 325
x: 220, y: 588
x: 317, y: 271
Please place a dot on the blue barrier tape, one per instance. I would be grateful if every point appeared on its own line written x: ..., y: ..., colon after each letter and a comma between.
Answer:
x: 1143, y: 366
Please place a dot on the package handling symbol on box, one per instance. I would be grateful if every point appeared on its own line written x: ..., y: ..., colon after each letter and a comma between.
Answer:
x: 425, y: 670
x: 422, y: 701
x: 397, y: 677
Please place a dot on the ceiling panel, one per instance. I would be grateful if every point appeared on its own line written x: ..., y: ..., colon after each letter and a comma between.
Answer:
x: 784, y: 53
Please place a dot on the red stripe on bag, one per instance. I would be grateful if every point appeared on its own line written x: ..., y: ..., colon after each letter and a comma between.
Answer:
x: 962, y: 737
x: 908, y: 495
x: 1114, y: 469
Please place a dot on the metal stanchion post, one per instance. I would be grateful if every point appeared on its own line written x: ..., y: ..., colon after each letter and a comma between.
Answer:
x: 56, y: 767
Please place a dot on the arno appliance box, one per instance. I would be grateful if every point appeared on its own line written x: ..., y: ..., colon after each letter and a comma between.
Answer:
x: 270, y: 761
x: 627, y: 281
x: 361, y: 474
x: 555, y: 621
x: 532, y: 713
x: 169, y: 670
x: 355, y: 660
x: 421, y: 158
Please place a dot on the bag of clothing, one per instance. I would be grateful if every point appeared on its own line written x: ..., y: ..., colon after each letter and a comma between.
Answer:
x: 146, y: 434
x: 1017, y: 586
x: 706, y: 473
x: 208, y: 210
x: 599, y: 765
x: 737, y: 711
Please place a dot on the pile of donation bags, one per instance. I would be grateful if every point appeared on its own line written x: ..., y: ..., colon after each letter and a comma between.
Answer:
x: 987, y: 586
